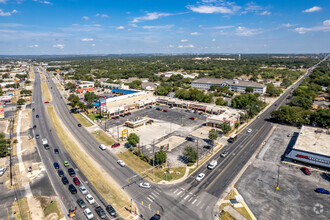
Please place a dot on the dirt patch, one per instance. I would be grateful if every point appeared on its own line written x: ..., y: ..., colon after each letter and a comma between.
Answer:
x: 26, y: 120
x: 202, y: 132
x: 35, y: 208
x: 3, y: 125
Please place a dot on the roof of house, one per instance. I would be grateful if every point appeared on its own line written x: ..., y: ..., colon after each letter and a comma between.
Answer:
x: 229, y: 81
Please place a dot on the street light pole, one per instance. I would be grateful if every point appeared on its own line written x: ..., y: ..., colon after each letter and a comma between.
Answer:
x: 153, y: 160
x: 197, y: 152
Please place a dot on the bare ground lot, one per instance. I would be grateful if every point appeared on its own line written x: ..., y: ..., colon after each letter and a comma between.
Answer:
x: 295, y: 198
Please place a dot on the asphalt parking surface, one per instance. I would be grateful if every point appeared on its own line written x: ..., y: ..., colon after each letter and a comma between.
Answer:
x: 295, y: 198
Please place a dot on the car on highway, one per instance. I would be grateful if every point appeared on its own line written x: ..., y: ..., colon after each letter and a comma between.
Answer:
x: 72, y: 189
x: 117, y: 117
x: 249, y: 130
x: 100, y: 212
x: 46, y: 102
x: 115, y: 145
x: 83, y: 190
x: 88, y: 213
x: 212, y: 165
x: 128, y: 113
x: 37, y: 136
x: 322, y: 191
x: 224, y: 154
x: 34, y: 126
x: 66, y: 163
x: 76, y: 181
x: 65, y: 180
x: 71, y: 172
x: 145, y: 185
x: 192, y: 118
x: 110, y: 210
x: 158, y: 109
x: 60, y: 173
x: 102, y: 147
x: 81, y: 203
x: 37, y: 116
x: 79, y: 125
x: 56, y: 151
x: 90, y: 199
x: 121, y: 163
x: 305, y: 170
x: 56, y: 165
x: 200, y: 177
x: 46, y: 146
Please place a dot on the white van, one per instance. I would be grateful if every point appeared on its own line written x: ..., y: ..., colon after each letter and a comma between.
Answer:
x: 212, y: 164
x: 103, y: 147
x: 44, y: 141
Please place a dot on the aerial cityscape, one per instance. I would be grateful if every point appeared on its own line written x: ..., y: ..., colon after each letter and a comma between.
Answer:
x: 174, y: 110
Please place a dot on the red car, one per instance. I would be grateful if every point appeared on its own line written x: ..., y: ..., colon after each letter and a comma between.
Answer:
x: 46, y: 102
x: 164, y: 110
x: 76, y: 181
x: 192, y: 118
x: 113, y: 118
x: 305, y: 171
x: 115, y: 145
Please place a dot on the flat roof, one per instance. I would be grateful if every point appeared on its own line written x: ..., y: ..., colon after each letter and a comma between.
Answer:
x: 229, y: 81
x: 311, y: 141
x: 125, y: 91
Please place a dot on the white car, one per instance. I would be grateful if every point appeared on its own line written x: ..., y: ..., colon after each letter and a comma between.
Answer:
x: 90, y: 199
x: 83, y: 190
x: 145, y: 185
x: 88, y: 213
x: 249, y: 130
x: 213, y: 164
x: 103, y: 147
x: 2, y: 170
x: 121, y: 163
x: 200, y: 177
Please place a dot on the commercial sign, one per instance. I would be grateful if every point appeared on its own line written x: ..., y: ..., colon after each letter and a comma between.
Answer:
x: 165, y: 147
x: 103, y: 102
x: 2, y: 113
x: 313, y: 159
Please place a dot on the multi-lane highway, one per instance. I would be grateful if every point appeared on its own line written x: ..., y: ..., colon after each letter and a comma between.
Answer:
x: 186, y: 200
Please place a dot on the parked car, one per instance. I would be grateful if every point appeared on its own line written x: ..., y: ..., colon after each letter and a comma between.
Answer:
x: 113, y: 118
x: 102, y: 147
x: 115, y: 145
x: 65, y: 180
x: 83, y: 190
x: 56, y: 151
x: 79, y: 125
x: 145, y: 185
x: 305, y: 171
x: 117, y: 117
x: 100, y: 212
x: 192, y: 118
x: 60, y: 173
x: 164, y: 110
x: 121, y: 163
x: 71, y: 172
x: 34, y: 126
x: 200, y: 177
x: 66, y: 163
x: 321, y: 190
x: 88, y: 213
x: 110, y: 210
x: 190, y: 139
x: 159, y: 109
x: 90, y: 199
x: 56, y: 165
x: 76, y: 181
x: 46, y: 102
x: 72, y: 189
x: 155, y: 217
x: 81, y: 203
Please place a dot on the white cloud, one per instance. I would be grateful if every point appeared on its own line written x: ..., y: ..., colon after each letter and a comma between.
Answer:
x: 194, y: 33
x: 150, y: 16
x: 216, y: 27
x: 3, y: 13
x: 10, y: 25
x: 85, y: 18
x: 60, y: 46
x: 184, y: 40
x: 186, y: 46
x: 93, y: 45
x: 87, y: 39
x: 171, y: 46
x: 2, y: 1
x: 158, y: 27
x: 213, y: 40
x: 246, y: 32
x: 287, y: 25
x: 265, y: 13
x: 312, y: 9
x: 102, y: 15
x: 120, y: 28
x: 33, y: 46
x: 208, y: 9
x: 254, y: 8
x: 43, y: 2
x: 325, y: 27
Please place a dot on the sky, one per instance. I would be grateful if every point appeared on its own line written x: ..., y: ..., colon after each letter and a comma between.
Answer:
x: 46, y: 27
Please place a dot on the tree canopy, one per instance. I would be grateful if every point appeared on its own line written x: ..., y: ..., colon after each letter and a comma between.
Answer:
x: 133, y: 139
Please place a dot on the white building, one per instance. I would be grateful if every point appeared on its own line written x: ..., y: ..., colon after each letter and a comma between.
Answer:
x: 233, y: 84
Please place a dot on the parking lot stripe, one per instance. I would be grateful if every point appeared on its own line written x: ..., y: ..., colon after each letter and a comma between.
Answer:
x: 194, y: 201
x: 150, y: 199
x: 179, y: 193
x: 186, y: 197
x: 198, y: 203
x: 190, y: 199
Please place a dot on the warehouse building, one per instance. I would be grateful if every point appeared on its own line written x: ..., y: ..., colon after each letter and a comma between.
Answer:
x: 234, y: 85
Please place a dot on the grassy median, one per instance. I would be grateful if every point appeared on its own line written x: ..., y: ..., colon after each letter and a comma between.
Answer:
x: 103, y: 138
x: 49, y: 207
x: 97, y: 176
x: 44, y: 88
x: 82, y: 120
x: 20, y: 209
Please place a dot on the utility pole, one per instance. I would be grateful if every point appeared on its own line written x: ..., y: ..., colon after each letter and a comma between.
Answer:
x: 153, y: 160
x: 197, y: 152
x: 117, y: 131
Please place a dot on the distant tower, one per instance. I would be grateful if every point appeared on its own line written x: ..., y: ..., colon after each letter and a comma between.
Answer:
x: 239, y: 56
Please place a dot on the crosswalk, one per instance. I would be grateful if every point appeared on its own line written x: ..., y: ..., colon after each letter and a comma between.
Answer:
x: 153, y: 195
x: 186, y: 197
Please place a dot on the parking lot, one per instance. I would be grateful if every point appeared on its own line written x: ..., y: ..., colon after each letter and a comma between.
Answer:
x: 171, y: 126
x: 295, y: 198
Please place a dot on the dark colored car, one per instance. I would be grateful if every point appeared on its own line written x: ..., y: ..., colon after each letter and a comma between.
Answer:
x: 305, y: 171
x: 34, y: 126
x: 60, y: 173
x: 72, y: 189
x: 79, y: 125
x: 117, y: 117
x: 81, y: 203
x: 128, y: 113
x: 56, y: 151
x: 155, y: 217
x: 326, y: 176
x: 192, y: 118
x: 76, y: 181
x: 37, y: 136
x: 100, y: 212
x: 111, y: 210
x: 190, y: 139
x: 65, y: 180
x: 164, y: 110
x: 56, y: 165
x: 158, y: 109
x: 37, y: 116
x: 115, y: 145
x: 113, y: 118
x: 71, y: 172
x: 321, y: 190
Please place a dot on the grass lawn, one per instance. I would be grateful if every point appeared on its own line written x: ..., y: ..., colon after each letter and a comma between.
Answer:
x: 230, y: 195
x: 49, y: 207
x: 45, y: 91
x: 139, y: 166
x: 243, y: 212
x: 21, y: 206
x: 227, y: 216
x: 97, y: 176
x: 82, y: 120
x: 103, y: 138
x: 95, y: 116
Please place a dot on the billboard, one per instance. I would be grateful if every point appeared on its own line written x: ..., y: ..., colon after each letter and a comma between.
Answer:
x: 165, y: 147
x: 2, y: 113
x: 103, y: 102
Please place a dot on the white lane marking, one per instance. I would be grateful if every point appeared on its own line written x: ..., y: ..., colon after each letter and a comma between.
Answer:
x: 158, y: 190
x: 150, y: 199
x: 179, y: 193
x: 190, y: 199
x: 183, y: 195
x: 194, y: 201
x: 198, y: 203
x: 175, y: 191
x: 182, y: 188
x: 186, y: 197
x: 154, y: 194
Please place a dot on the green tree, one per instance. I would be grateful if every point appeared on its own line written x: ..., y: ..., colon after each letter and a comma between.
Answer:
x: 249, y: 89
x: 90, y: 98
x: 4, y: 144
x: 133, y: 139
x: 135, y: 84
x: 26, y: 92
x: 190, y: 153
x: 213, y: 135
x: 97, y: 84
x: 70, y: 86
x: 221, y: 102
x: 160, y: 157
x: 1, y: 92
x: 74, y: 100
x: 213, y: 87
x: 272, y: 91
x: 20, y: 102
x: 225, y: 127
